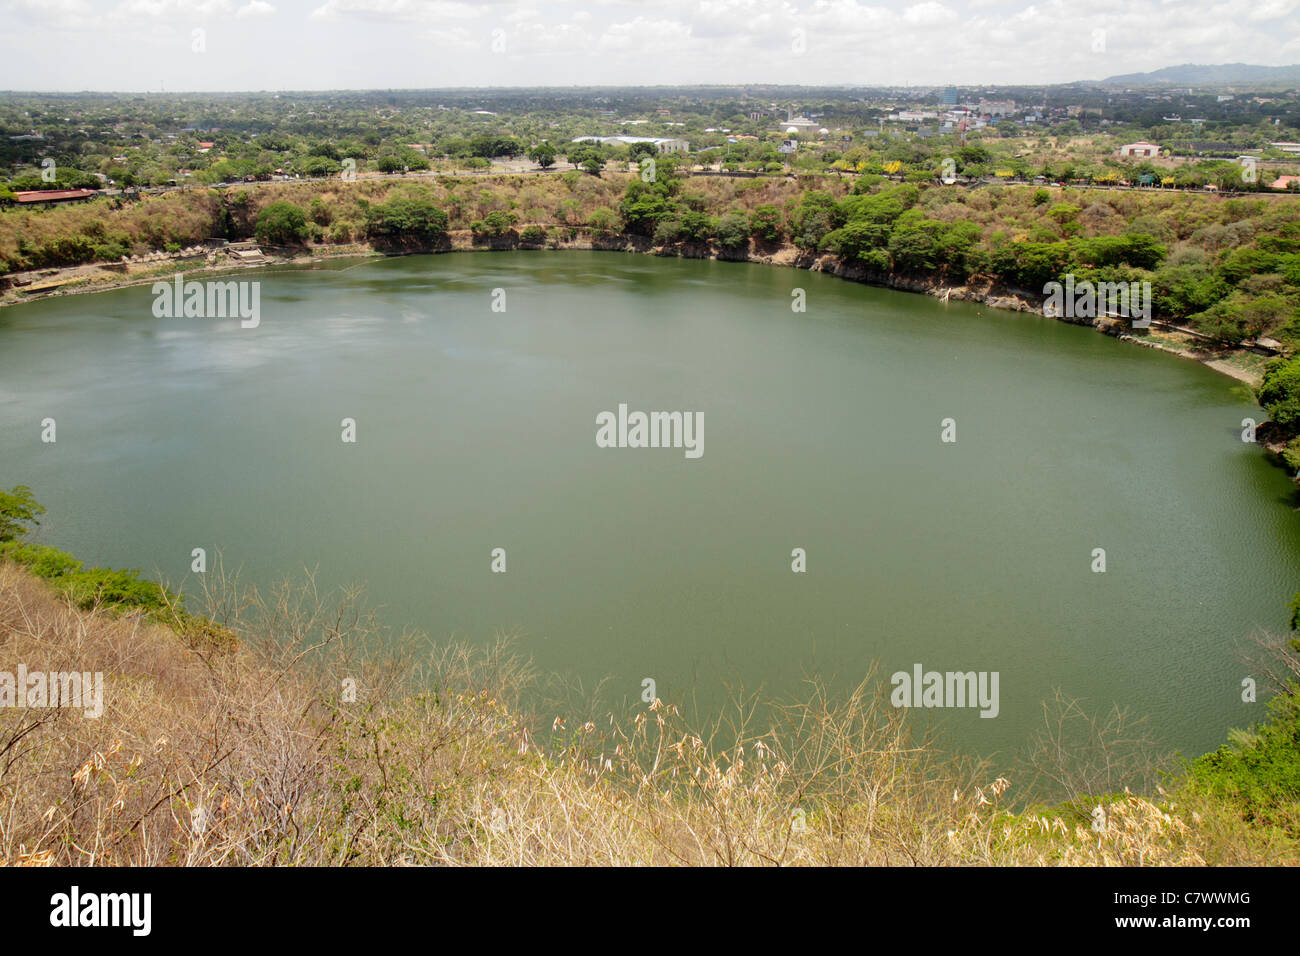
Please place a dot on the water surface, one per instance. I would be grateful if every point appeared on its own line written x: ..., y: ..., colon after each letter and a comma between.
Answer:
x: 476, y: 430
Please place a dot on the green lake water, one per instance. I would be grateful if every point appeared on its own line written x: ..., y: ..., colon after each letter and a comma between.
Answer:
x: 476, y: 430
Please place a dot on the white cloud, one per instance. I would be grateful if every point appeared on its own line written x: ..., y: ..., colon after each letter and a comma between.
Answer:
x: 644, y: 36
x: 255, y: 8
x: 428, y: 11
x: 50, y: 7
x: 1272, y: 9
x: 928, y: 13
x: 454, y: 38
x: 171, y: 8
x: 383, y: 43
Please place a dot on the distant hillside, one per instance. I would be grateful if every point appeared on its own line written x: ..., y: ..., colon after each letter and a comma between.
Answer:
x: 1226, y: 74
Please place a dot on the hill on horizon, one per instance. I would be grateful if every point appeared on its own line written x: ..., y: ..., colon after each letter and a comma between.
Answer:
x: 1192, y: 74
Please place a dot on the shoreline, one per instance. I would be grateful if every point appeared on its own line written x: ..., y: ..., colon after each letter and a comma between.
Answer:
x: 106, y: 277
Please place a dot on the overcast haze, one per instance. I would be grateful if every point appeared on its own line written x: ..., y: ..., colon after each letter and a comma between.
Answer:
x: 365, y: 44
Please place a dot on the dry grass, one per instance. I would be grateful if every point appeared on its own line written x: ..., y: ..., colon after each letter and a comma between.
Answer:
x: 256, y: 757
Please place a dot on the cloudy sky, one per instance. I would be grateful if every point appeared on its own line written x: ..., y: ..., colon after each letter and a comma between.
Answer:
x: 362, y: 44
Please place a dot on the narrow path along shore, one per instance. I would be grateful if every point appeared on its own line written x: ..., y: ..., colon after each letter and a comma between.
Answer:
x: 1241, y: 364
x: 1240, y: 374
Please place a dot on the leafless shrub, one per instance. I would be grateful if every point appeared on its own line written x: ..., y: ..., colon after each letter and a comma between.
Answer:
x: 1076, y: 754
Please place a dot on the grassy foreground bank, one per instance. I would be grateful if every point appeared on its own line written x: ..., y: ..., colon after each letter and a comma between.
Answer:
x: 311, y: 738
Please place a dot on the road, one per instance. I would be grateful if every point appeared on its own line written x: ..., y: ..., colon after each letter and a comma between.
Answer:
x: 527, y: 168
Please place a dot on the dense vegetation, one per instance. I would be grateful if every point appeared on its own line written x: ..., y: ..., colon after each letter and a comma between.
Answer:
x: 118, y: 590
x: 1230, y: 268
x: 1259, y: 772
x: 1066, y: 133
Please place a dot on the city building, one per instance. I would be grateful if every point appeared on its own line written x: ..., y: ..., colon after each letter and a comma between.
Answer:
x: 662, y: 144
x: 28, y: 196
x: 1139, y: 151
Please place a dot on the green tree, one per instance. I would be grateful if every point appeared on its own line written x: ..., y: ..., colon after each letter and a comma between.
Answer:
x: 490, y: 146
x: 281, y: 223
x: 604, y: 221
x: 1064, y: 212
x: 407, y: 218
x: 1135, y: 249
x: 320, y: 213
x: 17, y: 510
x: 1279, y: 394
x: 882, y: 208
x: 1180, y: 291
x: 856, y: 239
x: 1242, y: 263
x: 319, y: 166
x: 1030, y: 265
x: 765, y: 223
x: 579, y: 153
x: 496, y: 223
x: 815, y: 216
x: 637, y: 150
x: 973, y: 154
x: 668, y: 231
x: 696, y: 226
x: 732, y: 230
x: 1242, y: 316
x: 924, y: 245
x: 645, y: 204
x: 543, y: 154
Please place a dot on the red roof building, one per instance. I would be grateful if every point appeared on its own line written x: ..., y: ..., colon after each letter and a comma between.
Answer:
x: 52, y: 195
